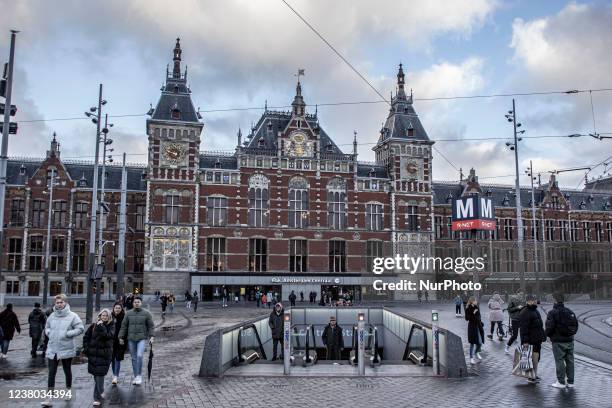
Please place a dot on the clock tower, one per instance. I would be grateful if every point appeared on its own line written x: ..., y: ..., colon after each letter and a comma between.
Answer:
x: 174, y: 129
x: 406, y: 150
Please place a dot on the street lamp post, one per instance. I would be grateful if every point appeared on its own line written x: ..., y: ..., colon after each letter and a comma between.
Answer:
x: 48, y: 241
x: 94, y: 208
x: 511, y: 116
x: 105, y: 142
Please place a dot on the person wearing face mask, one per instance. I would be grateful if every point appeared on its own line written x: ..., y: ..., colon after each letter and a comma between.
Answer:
x: 61, y: 329
x: 98, y: 347
x: 333, y: 340
x: 276, y: 326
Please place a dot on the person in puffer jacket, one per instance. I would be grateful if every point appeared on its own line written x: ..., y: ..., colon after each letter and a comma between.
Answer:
x: 62, y: 327
x: 496, y: 314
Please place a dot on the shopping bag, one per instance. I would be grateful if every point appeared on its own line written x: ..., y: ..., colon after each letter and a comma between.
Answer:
x: 522, y: 364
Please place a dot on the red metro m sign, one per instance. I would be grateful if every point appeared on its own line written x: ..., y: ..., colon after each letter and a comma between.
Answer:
x: 473, y: 213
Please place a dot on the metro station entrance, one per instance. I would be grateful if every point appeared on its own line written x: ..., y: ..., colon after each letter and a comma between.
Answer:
x: 345, y: 292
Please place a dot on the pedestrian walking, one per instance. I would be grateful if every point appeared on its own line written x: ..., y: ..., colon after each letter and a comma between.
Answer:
x: 532, y: 332
x: 195, y: 301
x: 333, y: 340
x: 224, y: 296
x: 171, y: 302
x: 164, y: 303
x: 276, y: 326
x: 118, y: 349
x: 264, y: 300
x: 464, y: 300
x: 515, y: 306
x: 61, y: 328
x: 301, y: 296
x: 561, y: 326
x: 36, y: 320
x: 129, y: 301
x: 188, y: 300
x: 258, y: 297
x: 475, y: 329
x: 427, y: 296
x: 292, y: 298
x: 269, y: 299
x: 98, y: 347
x: 9, y: 324
x: 496, y: 315
x: 419, y: 295
x: 458, y: 306
x: 137, y: 327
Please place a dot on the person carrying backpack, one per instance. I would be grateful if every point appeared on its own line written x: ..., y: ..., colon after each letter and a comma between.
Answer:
x: 561, y: 326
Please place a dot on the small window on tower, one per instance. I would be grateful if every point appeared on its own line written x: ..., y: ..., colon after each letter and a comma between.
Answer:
x: 261, y: 142
x: 410, y: 132
x: 176, y: 114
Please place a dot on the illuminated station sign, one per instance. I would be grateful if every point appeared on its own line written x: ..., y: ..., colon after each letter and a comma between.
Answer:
x: 473, y: 213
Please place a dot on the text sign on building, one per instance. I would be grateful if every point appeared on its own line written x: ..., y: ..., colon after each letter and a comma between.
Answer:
x: 473, y: 213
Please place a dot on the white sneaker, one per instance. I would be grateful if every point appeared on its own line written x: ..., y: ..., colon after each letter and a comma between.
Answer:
x: 2, y: 355
x: 137, y: 380
x: 472, y: 361
x: 479, y: 356
x: 557, y: 384
x: 568, y: 385
x: 115, y: 380
x: 507, y: 349
x: 68, y: 395
x: 46, y: 403
x: 96, y: 403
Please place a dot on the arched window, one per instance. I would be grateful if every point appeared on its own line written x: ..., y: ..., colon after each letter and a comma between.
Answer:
x: 258, y: 200
x: 298, y: 202
x: 336, y: 203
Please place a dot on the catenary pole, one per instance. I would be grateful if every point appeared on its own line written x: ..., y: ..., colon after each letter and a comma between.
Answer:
x: 122, y: 227
x: 4, y: 148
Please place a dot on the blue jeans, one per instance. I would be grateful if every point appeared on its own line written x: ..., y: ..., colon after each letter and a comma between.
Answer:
x: 137, y: 352
x: 5, y: 346
x: 116, y: 366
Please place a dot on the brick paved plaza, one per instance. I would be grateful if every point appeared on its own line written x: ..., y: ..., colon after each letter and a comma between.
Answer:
x: 177, y: 357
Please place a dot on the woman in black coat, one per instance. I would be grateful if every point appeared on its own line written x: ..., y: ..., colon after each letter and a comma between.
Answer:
x: 532, y: 330
x: 98, y: 347
x: 8, y: 324
x: 118, y: 349
x: 475, y: 329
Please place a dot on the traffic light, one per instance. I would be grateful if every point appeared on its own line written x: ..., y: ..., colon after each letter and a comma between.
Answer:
x: 12, y: 128
x: 13, y: 110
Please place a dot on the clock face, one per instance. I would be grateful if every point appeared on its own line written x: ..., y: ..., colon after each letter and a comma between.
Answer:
x: 173, y: 153
x: 299, y: 145
x: 412, y: 168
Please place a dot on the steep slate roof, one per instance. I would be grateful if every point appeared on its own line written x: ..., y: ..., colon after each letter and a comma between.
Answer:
x: 592, y: 201
x: 77, y: 171
x: 225, y: 162
x: 271, y: 122
x: 402, y: 117
x: 364, y: 169
x: 176, y: 95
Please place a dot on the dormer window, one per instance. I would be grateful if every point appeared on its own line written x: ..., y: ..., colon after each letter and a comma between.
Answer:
x: 488, y: 193
x: 371, y: 173
x: 217, y: 164
x: 175, y: 113
x: 329, y: 148
x: 176, y: 89
x: 261, y: 142
x: 506, y: 201
x: 410, y: 130
x: 449, y: 198
x: 582, y: 205
x: 22, y: 170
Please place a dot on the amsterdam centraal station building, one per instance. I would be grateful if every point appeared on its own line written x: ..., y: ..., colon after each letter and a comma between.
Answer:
x: 289, y: 210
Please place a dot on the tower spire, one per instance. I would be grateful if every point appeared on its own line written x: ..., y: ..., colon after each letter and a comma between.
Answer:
x: 176, y: 72
x: 298, y: 103
x: 401, y: 94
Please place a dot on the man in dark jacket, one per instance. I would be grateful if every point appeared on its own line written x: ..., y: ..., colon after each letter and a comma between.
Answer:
x: 8, y: 324
x: 561, y: 325
x: 37, y: 320
x: 276, y: 325
x: 532, y: 331
x: 137, y: 327
x: 515, y: 306
x: 332, y: 338
x: 292, y: 298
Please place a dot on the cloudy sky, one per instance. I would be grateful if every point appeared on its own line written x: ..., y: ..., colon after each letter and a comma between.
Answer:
x: 242, y: 53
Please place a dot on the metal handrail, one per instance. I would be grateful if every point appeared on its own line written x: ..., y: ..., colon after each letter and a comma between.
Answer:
x: 261, y: 349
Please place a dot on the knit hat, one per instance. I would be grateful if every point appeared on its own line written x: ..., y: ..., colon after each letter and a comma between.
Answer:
x: 531, y: 297
x: 558, y: 296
